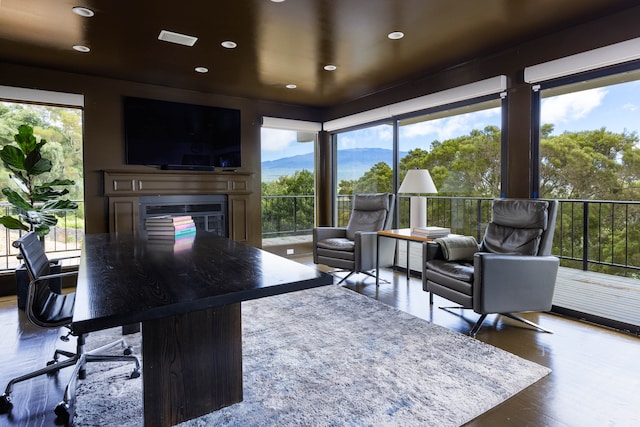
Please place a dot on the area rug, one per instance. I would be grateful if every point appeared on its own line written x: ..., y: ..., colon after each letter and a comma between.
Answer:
x: 331, y: 357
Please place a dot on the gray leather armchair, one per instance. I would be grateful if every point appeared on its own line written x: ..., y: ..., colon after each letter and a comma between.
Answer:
x: 353, y: 248
x: 511, y: 272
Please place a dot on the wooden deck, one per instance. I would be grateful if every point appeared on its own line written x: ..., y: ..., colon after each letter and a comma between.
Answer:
x: 602, y: 295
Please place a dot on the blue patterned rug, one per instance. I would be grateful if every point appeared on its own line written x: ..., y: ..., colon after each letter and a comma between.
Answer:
x: 332, y: 357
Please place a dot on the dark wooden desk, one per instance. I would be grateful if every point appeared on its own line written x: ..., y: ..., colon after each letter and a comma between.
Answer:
x: 188, y: 302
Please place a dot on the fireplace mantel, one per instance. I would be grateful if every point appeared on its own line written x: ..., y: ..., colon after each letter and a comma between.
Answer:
x: 123, y: 189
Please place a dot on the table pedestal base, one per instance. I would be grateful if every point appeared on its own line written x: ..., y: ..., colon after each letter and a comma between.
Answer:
x: 192, y: 364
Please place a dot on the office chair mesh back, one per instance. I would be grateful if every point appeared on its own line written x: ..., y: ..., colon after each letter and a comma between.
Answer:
x: 44, y: 307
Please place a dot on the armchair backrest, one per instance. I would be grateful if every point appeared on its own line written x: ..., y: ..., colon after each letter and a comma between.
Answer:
x: 371, y: 212
x: 521, y: 226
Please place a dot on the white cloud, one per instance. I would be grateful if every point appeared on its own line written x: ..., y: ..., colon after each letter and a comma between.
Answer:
x: 276, y: 139
x: 571, y: 106
x: 380, y: 136
x: 629, y: 107
x: 450, y: 127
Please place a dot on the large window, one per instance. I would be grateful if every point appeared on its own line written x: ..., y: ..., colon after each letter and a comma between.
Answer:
x: 590, y: 160
x: 61, y: 127
x: 460, y: 147
x: 364, y: 164
x: 589, y: 146
x: 288, y: 183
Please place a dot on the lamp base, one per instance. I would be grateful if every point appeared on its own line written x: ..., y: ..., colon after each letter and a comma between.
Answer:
x: 418, y: 212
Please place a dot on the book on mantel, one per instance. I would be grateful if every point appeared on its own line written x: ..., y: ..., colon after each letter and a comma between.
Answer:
x: 431, y: 232
x: 167, y: 227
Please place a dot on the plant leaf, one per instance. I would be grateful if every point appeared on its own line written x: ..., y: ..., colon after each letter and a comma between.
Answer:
x: 42, y: 230
x: 59, y: 205
x: 16, y: 199
x: 25, y: 139
x: 35, y: 164
x: 37, y: 218
x: 58, y: 182
x: 12, y: 157
x: 13, y: 223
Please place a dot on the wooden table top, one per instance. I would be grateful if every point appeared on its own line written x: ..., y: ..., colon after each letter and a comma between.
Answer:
x: 125, y: 279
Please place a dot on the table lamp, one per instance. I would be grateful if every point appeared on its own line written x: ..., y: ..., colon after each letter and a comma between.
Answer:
x: 418, y: 181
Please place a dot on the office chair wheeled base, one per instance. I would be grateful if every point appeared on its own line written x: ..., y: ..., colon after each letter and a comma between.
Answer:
x: 64, y: 409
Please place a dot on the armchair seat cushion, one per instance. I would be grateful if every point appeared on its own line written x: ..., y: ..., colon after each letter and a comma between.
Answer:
x: 337, y: 244
x: 458, y: 270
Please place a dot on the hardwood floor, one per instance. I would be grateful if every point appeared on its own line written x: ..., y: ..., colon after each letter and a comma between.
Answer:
x: 595, y: 380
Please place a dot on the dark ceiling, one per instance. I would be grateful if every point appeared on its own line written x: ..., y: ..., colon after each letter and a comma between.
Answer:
x: 279, y: 43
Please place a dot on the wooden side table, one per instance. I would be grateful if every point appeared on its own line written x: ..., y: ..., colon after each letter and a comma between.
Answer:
x: 400, y: 234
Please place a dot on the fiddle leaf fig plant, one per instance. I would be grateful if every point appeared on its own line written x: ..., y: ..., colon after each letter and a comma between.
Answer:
x: 36, y: 200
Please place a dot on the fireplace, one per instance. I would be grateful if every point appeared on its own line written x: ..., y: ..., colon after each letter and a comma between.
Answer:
x: 209, y: 212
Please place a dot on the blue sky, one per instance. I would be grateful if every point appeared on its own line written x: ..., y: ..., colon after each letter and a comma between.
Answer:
x: 615, y: 107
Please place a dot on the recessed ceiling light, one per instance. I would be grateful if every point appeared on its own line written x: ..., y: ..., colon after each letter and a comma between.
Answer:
x: 229, y: 44
x: 277, y: 1
x: 83, y: 11
x: 291, y: 86
x: 396, y: 35
x: 330, y: 67
x: 81, y: 48
x: 171, y: 37
x: 202, y: 69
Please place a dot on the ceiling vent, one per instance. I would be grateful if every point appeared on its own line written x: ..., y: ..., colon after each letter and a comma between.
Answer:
x: 171, y: 37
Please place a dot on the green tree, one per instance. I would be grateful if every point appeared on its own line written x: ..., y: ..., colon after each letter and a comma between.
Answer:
x: 468, y: 165
x: 596, y: 164
x: 378, y: 179
x: 291, y: 212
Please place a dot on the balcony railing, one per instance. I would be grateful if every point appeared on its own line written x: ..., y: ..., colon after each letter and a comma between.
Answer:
x: 591, y: 235
x: 287, y: 215
x: 64, y: 240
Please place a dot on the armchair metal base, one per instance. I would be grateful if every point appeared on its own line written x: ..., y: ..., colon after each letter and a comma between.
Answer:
x: 476, y: 327
x: 368, y: 273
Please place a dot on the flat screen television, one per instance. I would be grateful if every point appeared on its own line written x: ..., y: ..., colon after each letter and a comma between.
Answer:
x: 173, y: 135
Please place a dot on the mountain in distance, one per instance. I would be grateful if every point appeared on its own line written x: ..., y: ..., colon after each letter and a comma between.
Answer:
x: 359, y: 160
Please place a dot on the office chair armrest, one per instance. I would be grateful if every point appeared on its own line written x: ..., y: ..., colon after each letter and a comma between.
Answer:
x: 513, y: 283
x: 64, y: 258
x: 56, y: 275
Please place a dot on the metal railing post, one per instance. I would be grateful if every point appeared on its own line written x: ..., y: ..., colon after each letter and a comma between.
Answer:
x: 585, y: 236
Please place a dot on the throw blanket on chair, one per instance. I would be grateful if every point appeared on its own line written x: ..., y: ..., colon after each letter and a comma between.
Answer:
x: 457, y: 248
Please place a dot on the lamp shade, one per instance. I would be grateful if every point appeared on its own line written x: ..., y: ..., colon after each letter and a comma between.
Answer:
x: 418, y: 181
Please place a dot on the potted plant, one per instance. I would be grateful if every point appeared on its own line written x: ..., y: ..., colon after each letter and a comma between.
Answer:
x: 36, y: 199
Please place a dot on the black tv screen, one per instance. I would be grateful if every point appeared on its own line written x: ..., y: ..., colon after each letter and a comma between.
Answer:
x: 186, y: 136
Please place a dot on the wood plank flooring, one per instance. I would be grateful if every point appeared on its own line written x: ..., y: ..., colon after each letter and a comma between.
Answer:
x: 595, y: 379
